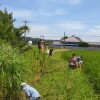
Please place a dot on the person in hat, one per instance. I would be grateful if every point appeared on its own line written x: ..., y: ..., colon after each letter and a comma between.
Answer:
x: 78, y: 61
x: 30, y: 43
x: 31, y: 93
x: 41, y: 46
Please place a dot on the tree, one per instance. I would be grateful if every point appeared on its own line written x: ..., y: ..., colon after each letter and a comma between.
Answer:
x: 84, y: 44
x: 7, y: 30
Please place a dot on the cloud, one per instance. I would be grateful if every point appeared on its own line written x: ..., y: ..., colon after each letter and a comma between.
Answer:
x: 28, y: 14
x: 51, y: 13
x: 38, y: 29
x: 93, y: 34
x: 72, y: 25
x: 19, y: 13
x: 46, y: 14
x: 74, y: 2
x: 71, y: 2
x: 22, y: 14
x: 95, y: 31
x: 43, y: 30
x: 97, y: 27
x: 59, y: 12
x: 53, y: 1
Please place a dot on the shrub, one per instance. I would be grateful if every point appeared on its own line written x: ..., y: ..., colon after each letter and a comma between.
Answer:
x: 84, y: 44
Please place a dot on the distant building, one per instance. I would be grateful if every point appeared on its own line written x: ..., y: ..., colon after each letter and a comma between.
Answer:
x: 94, y: 44
x: 57, y: 43
x: 71, y: 41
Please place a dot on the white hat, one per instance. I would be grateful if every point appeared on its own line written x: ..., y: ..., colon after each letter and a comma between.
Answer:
x: 42, y: 41
x: 23, y: 85
x: 81, y: 62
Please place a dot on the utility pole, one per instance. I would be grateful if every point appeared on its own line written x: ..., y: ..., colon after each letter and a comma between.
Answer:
x: 25, y: 21
x: 64, y: 39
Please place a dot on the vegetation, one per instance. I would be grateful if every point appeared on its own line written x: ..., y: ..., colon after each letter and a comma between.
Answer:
x: 12, y: 69
x: 50, y: 76
x: 84, y: 44
x: 90, y: 67
x: 8, y: 32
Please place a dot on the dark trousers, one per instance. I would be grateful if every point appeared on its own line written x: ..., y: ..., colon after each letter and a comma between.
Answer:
x: 38, y: 98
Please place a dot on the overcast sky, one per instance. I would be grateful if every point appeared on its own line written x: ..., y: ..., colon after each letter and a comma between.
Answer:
x: 51, y: 18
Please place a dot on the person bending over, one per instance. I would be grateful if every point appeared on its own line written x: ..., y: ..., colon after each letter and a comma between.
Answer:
x: 31, y: 92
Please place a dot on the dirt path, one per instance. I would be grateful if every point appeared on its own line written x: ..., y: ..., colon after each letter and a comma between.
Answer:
x: 39, y: 75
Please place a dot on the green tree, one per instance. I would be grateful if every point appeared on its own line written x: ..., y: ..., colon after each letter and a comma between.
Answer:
x: 84, y: 44
x: 10, y: 33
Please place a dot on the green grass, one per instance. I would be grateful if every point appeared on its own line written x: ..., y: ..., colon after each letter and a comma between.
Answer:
x: 61, y: 83
x: 91, y: 67
x: 53, y: 79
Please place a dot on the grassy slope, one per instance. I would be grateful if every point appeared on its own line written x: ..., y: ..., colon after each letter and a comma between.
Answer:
x: 60, y: 83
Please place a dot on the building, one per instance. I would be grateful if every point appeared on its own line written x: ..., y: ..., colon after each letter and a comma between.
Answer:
x: 71, y: 41
x: 94, y: 44
x: 57, y: 43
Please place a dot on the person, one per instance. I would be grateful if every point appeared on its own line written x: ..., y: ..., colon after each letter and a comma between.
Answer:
x: 31, y: 92
x: 71, y: 63
x: 41, y: 46
x: 50, y: 52
x: 77, y: 61
x: 72, y: 56
x: 30, y: 43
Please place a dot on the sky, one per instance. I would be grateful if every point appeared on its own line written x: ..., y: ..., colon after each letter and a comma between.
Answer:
x: 50, y: 19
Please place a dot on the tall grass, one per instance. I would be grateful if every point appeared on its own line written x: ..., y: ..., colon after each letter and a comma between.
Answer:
x: 12, y: 69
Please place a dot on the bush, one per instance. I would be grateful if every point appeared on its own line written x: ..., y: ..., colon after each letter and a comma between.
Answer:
x: 84, y: 44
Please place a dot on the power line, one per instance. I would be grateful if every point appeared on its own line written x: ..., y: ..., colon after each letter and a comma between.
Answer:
x: 64, y: 22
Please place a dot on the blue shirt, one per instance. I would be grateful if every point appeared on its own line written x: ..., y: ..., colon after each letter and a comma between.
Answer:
x: 31, y: 92
x: 76, y: 59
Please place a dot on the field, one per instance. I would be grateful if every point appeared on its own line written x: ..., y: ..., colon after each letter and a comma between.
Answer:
x: 53, y: 79
x: 61, y: 83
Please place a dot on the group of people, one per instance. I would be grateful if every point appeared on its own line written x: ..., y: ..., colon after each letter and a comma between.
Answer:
x: 31, y: 92
x: 41, y: 47
x: 75, y: 61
